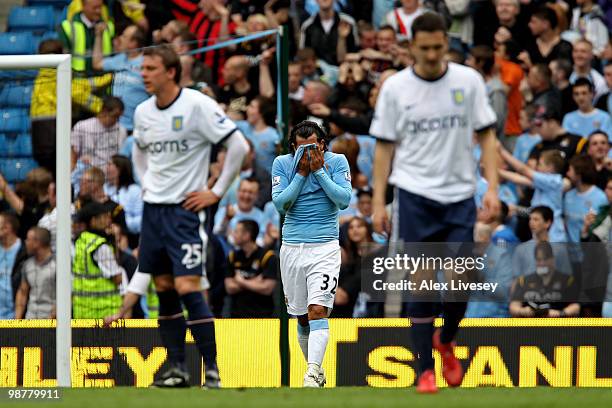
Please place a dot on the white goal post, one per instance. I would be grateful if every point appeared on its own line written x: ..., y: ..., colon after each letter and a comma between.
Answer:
x: 62, y: 63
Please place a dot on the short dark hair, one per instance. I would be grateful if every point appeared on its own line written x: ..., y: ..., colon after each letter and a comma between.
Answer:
x: 42, y: 235
x: 305, y: 54
x: 387, y: 27
x: 249, y: 180
x: 12, y: 220
x: 584, y: 168
x: 111, y: 103
x: 484, y: 55
x: 547, y: 14
x: 169, y: 58
x: 267, y: 109
x: 429, y: 22
x: 595, y: 133
x: 251, y: 227
x: 503, y: 213
x: 545, y: 212
x: 50, y: 47
x: 305, y: 129
x: 564, y: 65
x: 583, y: 82
x: 139, y: 36
x: 188, y: 38
x: 554, y: 158
x: 544, y: 71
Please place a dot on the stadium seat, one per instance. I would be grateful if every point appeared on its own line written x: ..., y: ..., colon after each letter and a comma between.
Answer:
x: 14, y: 120
x: 12, y: 147
x: 33, y: 19
x: 16, y: 44
x: 56, y: 4
x: 15, y: 170
x: 16, y: 94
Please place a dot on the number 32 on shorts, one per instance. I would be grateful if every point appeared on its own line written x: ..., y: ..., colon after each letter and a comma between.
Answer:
x: 326, y: 283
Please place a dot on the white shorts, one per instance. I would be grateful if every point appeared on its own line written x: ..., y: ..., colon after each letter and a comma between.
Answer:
x: 310, y: 275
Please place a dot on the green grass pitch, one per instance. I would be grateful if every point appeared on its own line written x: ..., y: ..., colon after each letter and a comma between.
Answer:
x: 348, y: 397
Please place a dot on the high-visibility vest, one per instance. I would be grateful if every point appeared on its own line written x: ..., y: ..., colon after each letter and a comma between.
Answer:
x: 152, y: 302
x: 93, y: 295
x: 76, y: 32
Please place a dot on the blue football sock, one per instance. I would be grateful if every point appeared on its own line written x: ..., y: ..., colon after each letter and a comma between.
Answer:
x: 172, y: 327
x: 201, y: 324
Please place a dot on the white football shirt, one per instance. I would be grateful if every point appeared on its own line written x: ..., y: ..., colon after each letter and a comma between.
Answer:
x: 177, y: 141
x: 432, y: 124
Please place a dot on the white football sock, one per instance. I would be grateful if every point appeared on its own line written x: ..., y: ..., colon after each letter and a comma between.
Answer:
x: 317, y: 341
x: 302, y: 335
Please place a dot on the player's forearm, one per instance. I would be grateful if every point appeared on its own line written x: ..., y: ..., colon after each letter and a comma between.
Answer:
x: 339, y: 195
x: 284, y: 200
x: 488, y: 144
x: 382, y: 166
x: 237, y: 149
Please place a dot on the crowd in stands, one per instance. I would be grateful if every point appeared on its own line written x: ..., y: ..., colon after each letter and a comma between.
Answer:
x: 547, y: 66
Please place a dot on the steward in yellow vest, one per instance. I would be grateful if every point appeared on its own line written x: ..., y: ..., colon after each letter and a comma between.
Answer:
x: 96, y: 276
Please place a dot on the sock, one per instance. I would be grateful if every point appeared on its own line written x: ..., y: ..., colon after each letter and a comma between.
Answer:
x: 453, y: 313
x: 317, y: 341
x: 421, y: 340
x: 302, y: 336
x: 202, y: 327
x: 172, y: 327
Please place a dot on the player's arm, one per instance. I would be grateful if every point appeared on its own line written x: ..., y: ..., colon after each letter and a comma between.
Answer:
x: 21, y: 300
x: 488, y: 145
x: 383, y: 156
x: 284, y: 193
x: 338, y: 187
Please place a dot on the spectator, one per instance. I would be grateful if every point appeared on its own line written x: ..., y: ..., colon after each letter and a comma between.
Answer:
x: 512, y: 76
x: 540, y: 221
x: 597, y: 227
x: 530, y: 137
x: 544, y: 292
x: 94, y: 141
x: 561, y: 70
x: 502, y: 234
x: 604, y: 102
x: 315, y: 69
x: 169, y: 32
x: 549, y: 45
x: 36, y: 294
x: 367, y: 35
x: 210, y: 21
x: 482, y: 59
x: 598, y: 148
x: 316, y: 92
x: 252, y: 274
x: 78, y: 34
x: 329, y: 33
x: 359, y: 235
x: 96, y: 274
x: 586, y: 119
x: 582, y: 56
x: 123, y: 13
x: 296, y: 90
x: 12, y: 255
x: 238, y: 91
x: 554, y: 136
x: 512, y: 24
x: 584, y: 198
x: 49, y: 220
x: 30, y: 200
x: 242, y: 9
x: 43, y: 108
x: 401, y: 18
x: 127, y: 85
x: 547, y: 181
x: 588, y: 22
x: 539, y: 80
x: 92, y: 188
x: 121, y: 188
x: 227, y: 217
x: 258, y: 129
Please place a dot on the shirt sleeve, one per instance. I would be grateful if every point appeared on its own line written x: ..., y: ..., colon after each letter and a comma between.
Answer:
x: 214, y: 123
x: 284, y: 193
x: 337, y: 188
x: 483, y: 113
x: 385, y: 115
x: 107, y: 263
x: 112, y: 63
x: 547, y: 182
x: 270, y: 266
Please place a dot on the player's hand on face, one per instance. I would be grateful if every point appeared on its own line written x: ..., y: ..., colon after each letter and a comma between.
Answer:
x: 316, y: 159
x: 491, y: 204
x: 198, y: 200
x: 304, y: 165
x: 380, y: 220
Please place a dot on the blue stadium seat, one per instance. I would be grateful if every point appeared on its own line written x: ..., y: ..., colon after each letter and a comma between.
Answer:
x: 56, y: 4
x: 15, y: 170
x: 14, y: 146
x: 16, y: 94
x: 37, y: 19
x: 16, y: 44
x: 14, y: 120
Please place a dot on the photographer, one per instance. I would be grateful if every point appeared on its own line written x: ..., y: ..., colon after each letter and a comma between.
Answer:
x: 545, y: 293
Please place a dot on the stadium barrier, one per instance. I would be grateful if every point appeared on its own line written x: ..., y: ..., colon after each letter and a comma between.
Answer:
x: 361, y: 352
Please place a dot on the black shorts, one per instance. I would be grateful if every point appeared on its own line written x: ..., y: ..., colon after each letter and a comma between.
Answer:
x: 173, y: 241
